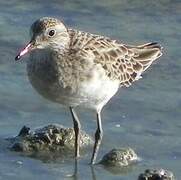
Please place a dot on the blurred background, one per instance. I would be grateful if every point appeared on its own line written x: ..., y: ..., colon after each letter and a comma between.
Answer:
x: 145, y: 116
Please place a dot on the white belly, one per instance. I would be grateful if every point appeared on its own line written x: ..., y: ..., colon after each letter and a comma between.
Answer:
x: 97, y: 92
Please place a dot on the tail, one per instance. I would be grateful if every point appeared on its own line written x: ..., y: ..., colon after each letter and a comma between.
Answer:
x: 143, y: 57
x: 151, y: 45
x: 146, y: 54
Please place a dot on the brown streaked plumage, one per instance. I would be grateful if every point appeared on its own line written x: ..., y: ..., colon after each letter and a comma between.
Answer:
x: 120, y: 61
x: 76, y: 68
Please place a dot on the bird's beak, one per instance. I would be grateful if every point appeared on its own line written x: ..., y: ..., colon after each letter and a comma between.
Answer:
x: 29, y: 47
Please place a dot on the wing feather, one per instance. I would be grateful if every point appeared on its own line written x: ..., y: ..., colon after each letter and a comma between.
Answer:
x: 122, y: 62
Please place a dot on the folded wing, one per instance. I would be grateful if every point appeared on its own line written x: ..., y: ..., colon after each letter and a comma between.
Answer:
x: 121, y: 62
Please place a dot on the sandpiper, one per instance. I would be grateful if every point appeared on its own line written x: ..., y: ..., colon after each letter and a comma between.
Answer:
x: 77, y: 68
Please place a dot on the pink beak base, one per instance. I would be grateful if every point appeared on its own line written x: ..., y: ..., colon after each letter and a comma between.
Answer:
x: 24, y: 51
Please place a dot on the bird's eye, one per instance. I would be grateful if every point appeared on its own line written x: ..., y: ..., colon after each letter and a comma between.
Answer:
x: 51, y: 33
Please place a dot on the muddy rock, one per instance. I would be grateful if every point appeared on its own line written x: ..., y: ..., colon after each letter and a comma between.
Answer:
x: 49, y: 138
x: 157, y: 174
x: 121, y: 157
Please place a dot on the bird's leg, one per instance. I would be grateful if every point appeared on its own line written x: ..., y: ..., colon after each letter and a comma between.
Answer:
x: 77, y: 127
x: 98, y: 138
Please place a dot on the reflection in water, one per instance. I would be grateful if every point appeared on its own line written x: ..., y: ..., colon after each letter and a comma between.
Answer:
x: 75, y: 175
x: 76, y: 171
x: 110, y: 169
x: 119, y: 170
x: 93, y: 172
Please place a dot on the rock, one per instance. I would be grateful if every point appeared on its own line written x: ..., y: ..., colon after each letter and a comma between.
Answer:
x: 157, y: 174
x: 24, y: 131
x: 119, y: 157
x: 49, y: 138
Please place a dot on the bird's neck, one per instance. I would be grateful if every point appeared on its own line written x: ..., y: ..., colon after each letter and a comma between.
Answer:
x: 59, y: 48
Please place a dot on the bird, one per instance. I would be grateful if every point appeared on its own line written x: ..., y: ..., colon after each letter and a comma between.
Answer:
x: 80, y: 69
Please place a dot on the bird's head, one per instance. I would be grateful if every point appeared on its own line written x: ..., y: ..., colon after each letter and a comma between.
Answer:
x: 46, y: 33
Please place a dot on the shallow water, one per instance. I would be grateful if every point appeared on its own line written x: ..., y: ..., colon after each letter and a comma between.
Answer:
x: 145, y: 116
